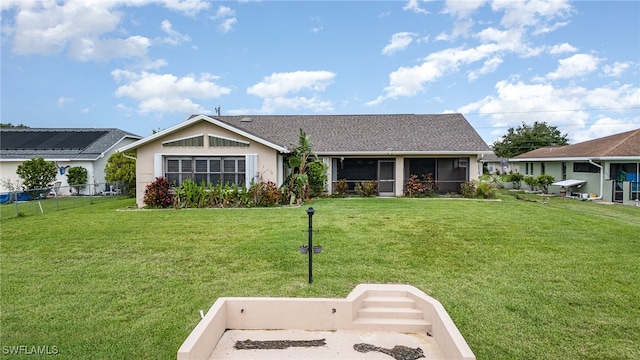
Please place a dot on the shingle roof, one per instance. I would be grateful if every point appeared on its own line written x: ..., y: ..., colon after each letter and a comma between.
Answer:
x: 49, y: 143
x: 366, y: 133
x: 618, y: 145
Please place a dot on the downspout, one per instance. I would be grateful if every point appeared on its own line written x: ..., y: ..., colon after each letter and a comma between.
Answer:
x: 599, y: 197
x: 129, y: 157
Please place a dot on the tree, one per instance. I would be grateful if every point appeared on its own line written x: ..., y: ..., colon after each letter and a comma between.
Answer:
x: 525, y: 138
x: 77, y: 178
x: 297, y: 184
x: 37, y: 175
x: 11, y: 126
x: 120, y: 168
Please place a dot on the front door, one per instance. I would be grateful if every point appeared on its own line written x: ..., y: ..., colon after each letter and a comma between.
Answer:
x: 386, y: 178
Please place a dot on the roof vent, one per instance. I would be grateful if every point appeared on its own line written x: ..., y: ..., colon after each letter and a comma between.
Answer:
x: 246, y: 119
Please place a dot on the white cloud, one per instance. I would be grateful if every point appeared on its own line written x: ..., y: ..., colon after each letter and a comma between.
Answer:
x: 277, y: 89
x: 399, y: 41
x: 571, y: 108
x: 489, y: 66
x: 562, y: 48
x: 87, y: 49
x: 174, y: 38
x: 538, y: 14
x: 64, y: 100
x: 617, y: 69
x: 604, y: 126
x: 88, y: 30
x: 574, y: 66
x: 462, y: 9
x: 188, y: 7
x: 412, y: 5
x: 226, y: 17
x: 167, y: 92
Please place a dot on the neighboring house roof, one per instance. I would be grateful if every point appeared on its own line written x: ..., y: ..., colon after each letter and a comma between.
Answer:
x: 344, y: 134
x: 492, y: 158
x: 59, y: 144
x: 623, y: 145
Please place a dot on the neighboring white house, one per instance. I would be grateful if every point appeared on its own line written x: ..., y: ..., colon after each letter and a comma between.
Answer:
x: 496, y: 165
x: 385, y: 148
x: 607, y: 168
x: 89, y: 148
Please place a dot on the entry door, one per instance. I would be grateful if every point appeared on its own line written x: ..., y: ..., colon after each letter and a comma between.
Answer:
x: 386, y: 181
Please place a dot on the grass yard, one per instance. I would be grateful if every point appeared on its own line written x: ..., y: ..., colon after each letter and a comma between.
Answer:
x: 521, y: 280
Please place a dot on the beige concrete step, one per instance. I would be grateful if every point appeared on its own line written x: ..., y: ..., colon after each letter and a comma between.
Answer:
x: 397, y: 325
x: 390, y: 313
x: 388, y: 301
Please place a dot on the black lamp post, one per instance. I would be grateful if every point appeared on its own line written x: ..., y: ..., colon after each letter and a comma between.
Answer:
x: 310, y: 212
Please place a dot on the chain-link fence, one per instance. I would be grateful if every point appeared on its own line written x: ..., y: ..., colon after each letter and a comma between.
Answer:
x: 39, y: 201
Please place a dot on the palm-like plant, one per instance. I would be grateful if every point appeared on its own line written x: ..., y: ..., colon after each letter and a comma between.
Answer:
x: 298, y: 184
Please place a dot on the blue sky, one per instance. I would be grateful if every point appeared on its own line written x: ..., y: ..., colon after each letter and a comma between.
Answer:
x: 144, y: 65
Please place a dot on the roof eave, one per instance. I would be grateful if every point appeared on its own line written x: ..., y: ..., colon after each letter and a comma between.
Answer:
x: 399, y: 153
x: 194, y: 120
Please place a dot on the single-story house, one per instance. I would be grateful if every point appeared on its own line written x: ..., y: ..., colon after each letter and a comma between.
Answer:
x: 496, y: 165
x: 607, y: 168
x: 385, y: 148
x: 88, y: 148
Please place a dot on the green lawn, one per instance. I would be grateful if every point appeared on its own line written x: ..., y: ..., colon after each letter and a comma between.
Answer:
x: 520, y: 279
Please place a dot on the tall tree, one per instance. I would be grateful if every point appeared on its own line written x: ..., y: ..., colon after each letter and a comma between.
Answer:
x: 77, y: 177
x: 525, y: 138
x: 120, y: 168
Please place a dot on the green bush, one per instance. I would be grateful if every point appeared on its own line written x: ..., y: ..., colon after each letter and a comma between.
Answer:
x: 544, y: 181
x: 486, y: 190
x: 317, y: 173
x: 516, y: 180
x: 367, y: 188
x: 532, y: 182
x: 190, y: 195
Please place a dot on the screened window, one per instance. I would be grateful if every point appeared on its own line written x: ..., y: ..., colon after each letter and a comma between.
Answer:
x: 207, y: 170
x: 585, y: 167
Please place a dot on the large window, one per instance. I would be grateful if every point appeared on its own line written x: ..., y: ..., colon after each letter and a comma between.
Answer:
x: 210, y: 170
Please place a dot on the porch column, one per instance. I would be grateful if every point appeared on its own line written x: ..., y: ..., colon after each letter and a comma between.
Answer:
x: 399, y: 176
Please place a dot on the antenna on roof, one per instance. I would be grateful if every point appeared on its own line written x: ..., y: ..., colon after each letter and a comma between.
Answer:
x: 218, y: 110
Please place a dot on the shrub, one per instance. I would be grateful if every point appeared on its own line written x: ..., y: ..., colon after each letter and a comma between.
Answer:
x: 265, y: 193
x: 416, y: 187
x: 532, y: 182
x: 430, y: 185
x: 516, y: 180
x: 340, y: 187
x: 468, y: 189
x: 190, y: 195
x: 544, y: 181
x: 413, y: 186
x: 367, y: 188
x: 317, y: 173
x: 486, y: 190
x: 158, y: 194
